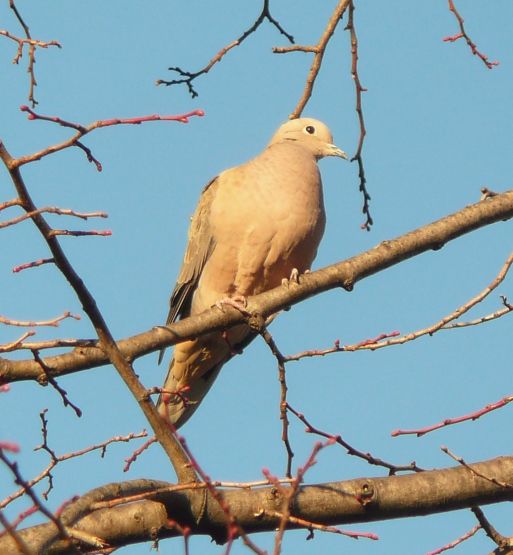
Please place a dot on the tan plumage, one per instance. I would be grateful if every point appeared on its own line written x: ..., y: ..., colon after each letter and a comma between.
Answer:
x: 254, y: 224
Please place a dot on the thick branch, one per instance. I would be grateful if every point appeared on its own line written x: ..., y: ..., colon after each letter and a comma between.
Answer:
x: 350, y: 501
x: 343, y: 274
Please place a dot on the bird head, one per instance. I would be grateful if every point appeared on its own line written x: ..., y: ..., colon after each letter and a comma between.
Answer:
x: 311, y: 134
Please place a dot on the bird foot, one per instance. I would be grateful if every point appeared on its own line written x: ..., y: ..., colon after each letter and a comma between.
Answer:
x: 238, y: 302
x: 294, y: 278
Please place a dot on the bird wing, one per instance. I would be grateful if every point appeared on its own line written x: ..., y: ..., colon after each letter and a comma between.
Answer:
x: 199, y: 248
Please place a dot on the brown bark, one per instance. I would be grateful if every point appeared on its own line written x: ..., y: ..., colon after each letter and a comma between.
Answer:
x: 343, y: 274
x: 345, y: 502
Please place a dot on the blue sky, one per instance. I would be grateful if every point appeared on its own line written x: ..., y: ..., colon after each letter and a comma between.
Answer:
x: 440, y: 127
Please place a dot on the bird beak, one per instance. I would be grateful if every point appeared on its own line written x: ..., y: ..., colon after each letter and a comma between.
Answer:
x: 333, y: 150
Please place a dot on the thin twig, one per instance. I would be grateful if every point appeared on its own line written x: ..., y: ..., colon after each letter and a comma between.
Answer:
x: 491, y: 532
x: 33, y: 264
x: 482, y: 319
x: 54, y: 322
x: 35, y: 499
x: 187, y: 77
x: 14, y: 345
x: 75, y: 233
x: 456, y: 542
x: 55, y: 343
x: 56, y: 459
x: 283, y: 397
x: 184, y: 487
x: 392, y: 468
x: 26, y: 41
x: 84, y: 130
x: 32, y: 45
x: 53, y: 382
x: 441, y: 324
x: 462, y: 461
x: 53, y: 210
x: 311, y: 526
x: 456, y: 420
x: 359, y: 90
x: 135, y: 455
x: 463, y: 35
x: 288, y: 494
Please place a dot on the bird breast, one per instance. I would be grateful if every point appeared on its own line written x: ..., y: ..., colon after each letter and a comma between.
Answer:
x: 267, y: 218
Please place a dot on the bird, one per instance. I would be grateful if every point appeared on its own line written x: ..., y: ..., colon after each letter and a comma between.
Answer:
x: 256, y: 225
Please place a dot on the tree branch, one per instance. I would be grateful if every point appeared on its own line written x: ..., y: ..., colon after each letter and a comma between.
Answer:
x: 318, y: 50
x: 345, y: 502
x: 343, y: 274
x: 187, y: 77
x: 106, y: 343
x: 463, y: 35
x: 31, y: 45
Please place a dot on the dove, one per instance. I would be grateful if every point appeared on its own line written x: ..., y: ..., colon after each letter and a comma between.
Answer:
x: 255, y: 225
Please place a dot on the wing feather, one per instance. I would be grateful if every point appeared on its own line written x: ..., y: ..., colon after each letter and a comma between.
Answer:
x: 199, y: 248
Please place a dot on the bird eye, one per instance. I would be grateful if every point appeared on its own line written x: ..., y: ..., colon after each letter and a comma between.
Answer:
x: 310, y: 129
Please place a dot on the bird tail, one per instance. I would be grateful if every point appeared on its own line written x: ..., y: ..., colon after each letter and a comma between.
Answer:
x: 194, y: 368
x: 179, y: 402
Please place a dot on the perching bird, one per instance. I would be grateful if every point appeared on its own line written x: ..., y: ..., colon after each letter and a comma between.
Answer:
x: 255, y: 225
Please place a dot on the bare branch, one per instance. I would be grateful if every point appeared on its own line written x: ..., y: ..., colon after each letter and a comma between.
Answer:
x: 53, y: 382
x: 33, y: 264
x: 359, y: 90
x: 443, y: 323
x: 318, y: 50
x: 456, y: 542
x: 26, y: 41
x: 53, y: 210
x: 283, y: 397
x: 61, y: 530
x: 187, y: 77
x: 9, y: 203
x: 463, y: 35
x: 392, y: 468
x: 54, y: 322
x: 482, y: 319
x: 334, y: 503
x: 32, y: 45
x: 74, y: 233
x: 476, y: 472
x: 491, y: 532
x: 135, y: 455
x: 457, y: 420
x: 56, y: 459
x: 311, y: 526
x: 55, y: 343
x: 7, y: 347
x: 164, y: 434
x: 343, y: 274
x: 289, y: 494
x: 82, y: 130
